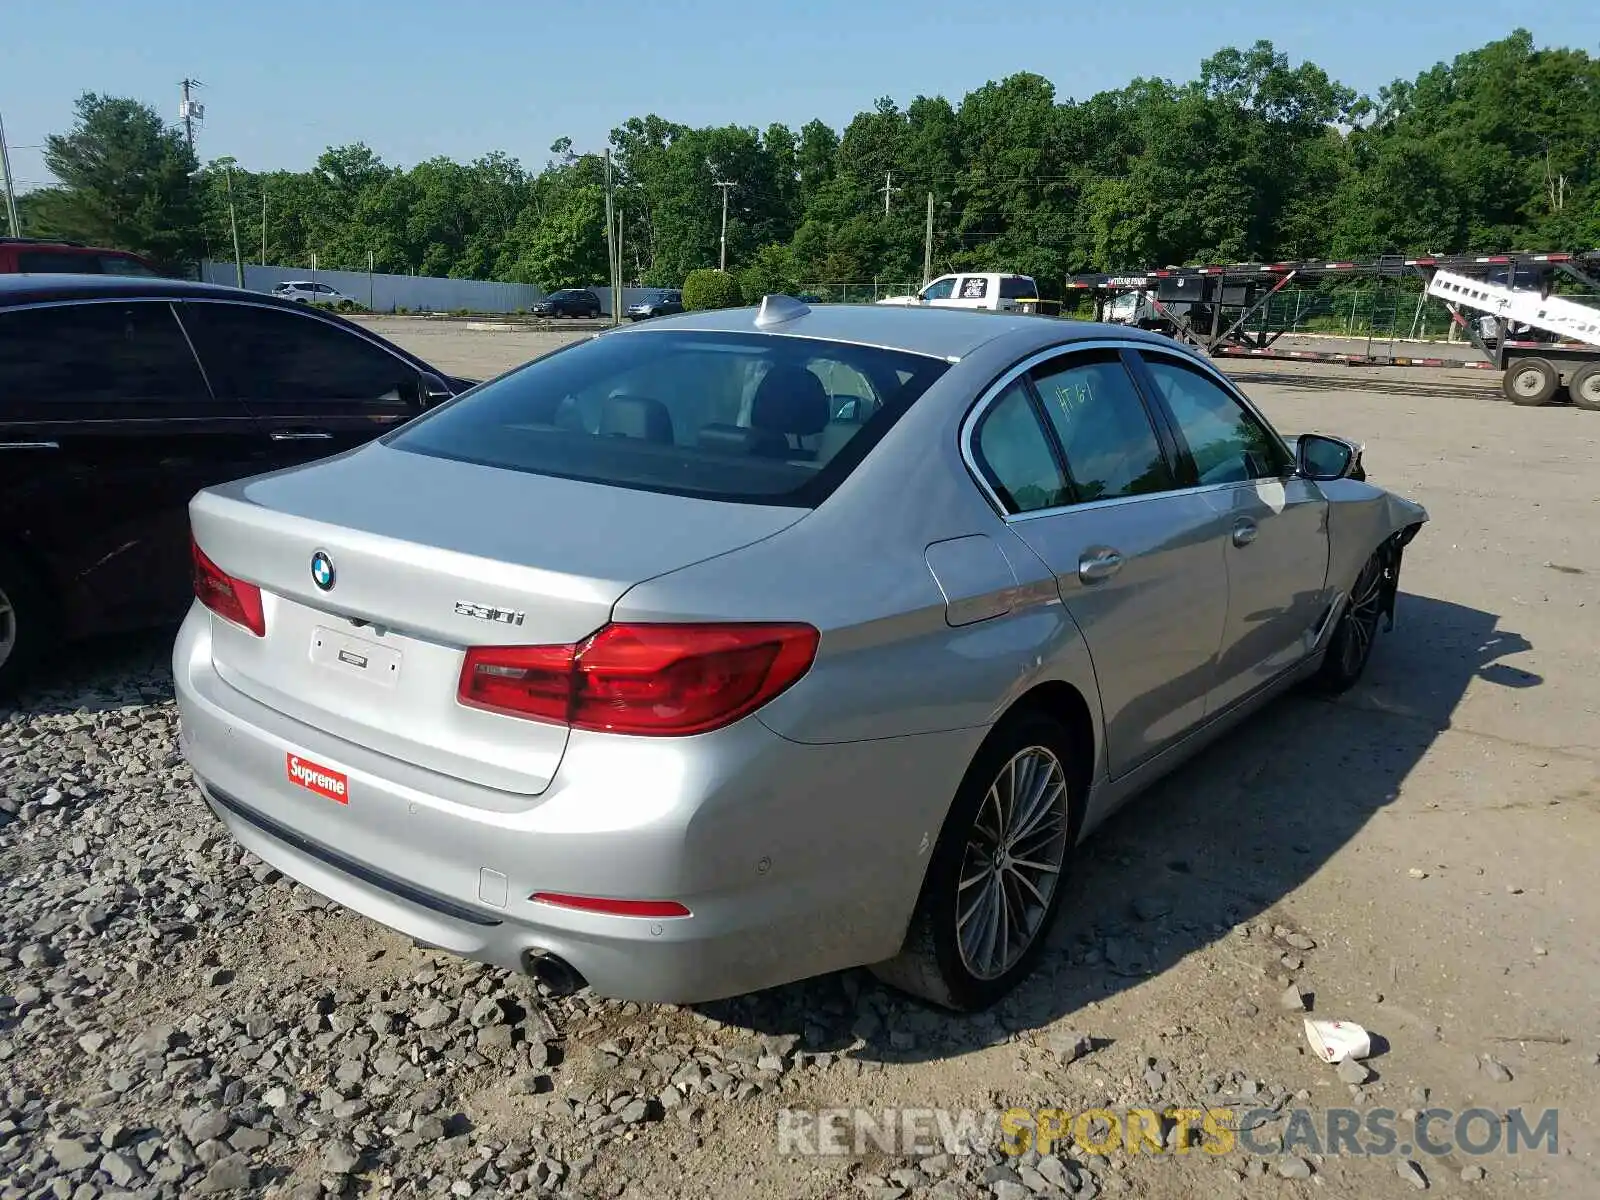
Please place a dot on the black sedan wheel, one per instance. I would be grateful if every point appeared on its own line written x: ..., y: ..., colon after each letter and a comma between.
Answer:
x: 25, y: 630
x: 1350, y: 647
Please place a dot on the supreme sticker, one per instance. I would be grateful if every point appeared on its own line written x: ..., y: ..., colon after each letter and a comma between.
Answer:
x: 321, y: 780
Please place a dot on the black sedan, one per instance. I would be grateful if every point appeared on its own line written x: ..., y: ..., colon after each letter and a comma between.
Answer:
x: 568, y: 302
x: 122, y: 397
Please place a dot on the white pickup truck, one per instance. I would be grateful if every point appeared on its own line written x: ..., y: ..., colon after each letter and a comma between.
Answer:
x: 992, y: 290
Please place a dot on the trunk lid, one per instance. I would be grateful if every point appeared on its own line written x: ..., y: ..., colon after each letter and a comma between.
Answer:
x: 429, y: 556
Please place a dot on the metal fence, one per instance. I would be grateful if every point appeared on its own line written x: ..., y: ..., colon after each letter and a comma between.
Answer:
x: 388, y: 293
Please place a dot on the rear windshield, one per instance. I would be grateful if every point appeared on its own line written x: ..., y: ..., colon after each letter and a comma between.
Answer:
x: 752, y: 418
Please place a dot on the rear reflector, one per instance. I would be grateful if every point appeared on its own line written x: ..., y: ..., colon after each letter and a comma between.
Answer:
x: 661, y: 680
x: 615, y: 908
x: 231, y: 599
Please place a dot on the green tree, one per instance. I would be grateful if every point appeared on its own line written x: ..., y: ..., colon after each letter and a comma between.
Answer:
x: 125, y: 183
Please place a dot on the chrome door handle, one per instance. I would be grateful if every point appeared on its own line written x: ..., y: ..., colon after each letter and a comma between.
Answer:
x: 301, y: 435
x: 1244, y: 531
x: 30, y: 445
x: 1098, y: 565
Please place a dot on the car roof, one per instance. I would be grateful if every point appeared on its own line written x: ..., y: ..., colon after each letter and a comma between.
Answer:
x: 32, y: 288
x: 941, y: 332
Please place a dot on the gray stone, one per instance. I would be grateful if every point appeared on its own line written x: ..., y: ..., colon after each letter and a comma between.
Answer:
x: 119, y: 1170
x: 1412, y: 1174
x: 486, y: 1012
x: 213, y: 1124
x: 71, y: 1154
x: 1294, y: 1001
x: 1353, y: 1071
x: 428, y: 1129
x: 1300, y: 941
x: 1496, y: 1070
x: 340, y: 1158
x: 1070, y: 1046
x: 1294, y: 1167
x: 275, y: 1097
x: 1472, y: 1173
x: 635, y: 1112
x: 1006, y: 1190
x: 435, y: 1015
x: 226, y: 1175
x: 246, y: 1138
x: 1149, y: 908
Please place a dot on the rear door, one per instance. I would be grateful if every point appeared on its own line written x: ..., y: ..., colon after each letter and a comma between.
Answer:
x: 1276, y: 545
x: 106, y: 430
x: 1088, y: 483
x: 316, y: 387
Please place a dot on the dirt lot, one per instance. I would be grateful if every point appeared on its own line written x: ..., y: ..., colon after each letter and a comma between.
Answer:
x: 1417, y: 857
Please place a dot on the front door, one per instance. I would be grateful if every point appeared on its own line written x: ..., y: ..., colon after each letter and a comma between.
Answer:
x: 1088, y: 485
x: 1277, y: 526
x: 107, y: 429
x: 316, y: 388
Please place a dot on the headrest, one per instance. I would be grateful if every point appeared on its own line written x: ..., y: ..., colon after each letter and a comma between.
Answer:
x: 791, y: 400
x: 736, y: 439
x: 636, y: 417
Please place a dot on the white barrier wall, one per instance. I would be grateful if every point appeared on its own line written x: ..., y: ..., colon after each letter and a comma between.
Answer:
x: 388, y: 293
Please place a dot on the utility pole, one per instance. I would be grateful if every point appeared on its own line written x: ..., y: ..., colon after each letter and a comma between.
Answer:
x: 927, y: 246
x: 190, y: 111
x: 722, y: 259
x: 233, y: 223
x: 888, y: 190
x: 611, y: 239
x: 263, y: 222
x: 11, y: 191
x: 621, y: 308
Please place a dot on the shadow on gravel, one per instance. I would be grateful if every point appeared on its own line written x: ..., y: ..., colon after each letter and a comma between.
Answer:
x: 100, y: 674
x: 1215, y: 844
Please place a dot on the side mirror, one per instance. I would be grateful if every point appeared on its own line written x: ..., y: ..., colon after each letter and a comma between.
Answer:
x: 432, y: 391
x: 1324, y: 458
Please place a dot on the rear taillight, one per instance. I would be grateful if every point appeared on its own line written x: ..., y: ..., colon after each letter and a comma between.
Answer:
x: 643, y: 679
x: 231, y: 599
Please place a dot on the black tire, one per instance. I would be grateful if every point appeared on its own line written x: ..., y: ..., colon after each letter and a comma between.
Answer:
x: 932, y: 963
x: 1350, y: 644
x: 27, y: 630
x: 1530, y: 381
x: 1584, y: 387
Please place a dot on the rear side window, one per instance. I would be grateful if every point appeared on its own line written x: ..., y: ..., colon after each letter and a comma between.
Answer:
x: 1016, y: 287
x: 256, y: 353
x: 1015, y: 455
x: 119, y: 264
x: 974, y: 287
x: 57, y: 262
x: 110, y: 355
x: 750, y: 418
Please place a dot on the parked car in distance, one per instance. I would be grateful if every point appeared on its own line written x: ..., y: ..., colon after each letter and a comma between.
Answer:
x: 737, y: 713
x: 568, y: 302
x: 41, y: 256
x: 810, y: 298
x: 307, y: 291
x: 120, y: 398
x: 984, y: 289
x: 662, y: 305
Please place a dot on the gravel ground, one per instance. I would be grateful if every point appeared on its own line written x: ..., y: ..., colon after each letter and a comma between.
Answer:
x: 178, y: 1020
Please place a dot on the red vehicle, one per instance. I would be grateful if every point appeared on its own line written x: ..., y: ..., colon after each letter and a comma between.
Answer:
x: 47, y: 257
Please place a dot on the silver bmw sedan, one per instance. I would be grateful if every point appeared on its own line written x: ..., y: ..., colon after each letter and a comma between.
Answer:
x: 738, y: 647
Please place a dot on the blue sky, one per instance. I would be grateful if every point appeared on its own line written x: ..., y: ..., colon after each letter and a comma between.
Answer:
x: 413, y: 79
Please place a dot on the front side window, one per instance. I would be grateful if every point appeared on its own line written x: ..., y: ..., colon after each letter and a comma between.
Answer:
x: 252, y: 352
x: 118, y: 264
x: 98, y: 354
x: 1104, y: 430
x: 731, y: 416
x: 940, y: 289
x: 1226, y: 442
x: 1013, y: 451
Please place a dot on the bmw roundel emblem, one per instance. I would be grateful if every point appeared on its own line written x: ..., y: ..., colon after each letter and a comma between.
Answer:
x: 322, y: 570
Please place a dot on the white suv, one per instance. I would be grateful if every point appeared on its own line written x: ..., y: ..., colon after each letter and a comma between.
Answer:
x: 307, y: 292
x: 992, y: 290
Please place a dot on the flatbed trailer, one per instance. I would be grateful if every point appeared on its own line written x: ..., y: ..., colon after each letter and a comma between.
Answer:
x: 1212, y: 307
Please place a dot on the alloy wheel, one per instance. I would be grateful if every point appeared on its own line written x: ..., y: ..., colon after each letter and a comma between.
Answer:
x: 1012, y: 863
x: 1366, y: 606
x: 8, y: 627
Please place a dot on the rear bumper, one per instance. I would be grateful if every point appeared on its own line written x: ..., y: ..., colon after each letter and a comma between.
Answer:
x: 793, y: 860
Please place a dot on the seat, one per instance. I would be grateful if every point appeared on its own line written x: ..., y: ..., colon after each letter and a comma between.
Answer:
x: 636, y: 417
x: 790, y: 401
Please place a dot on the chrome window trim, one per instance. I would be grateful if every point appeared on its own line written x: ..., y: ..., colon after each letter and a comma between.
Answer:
x: 998, y: 386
